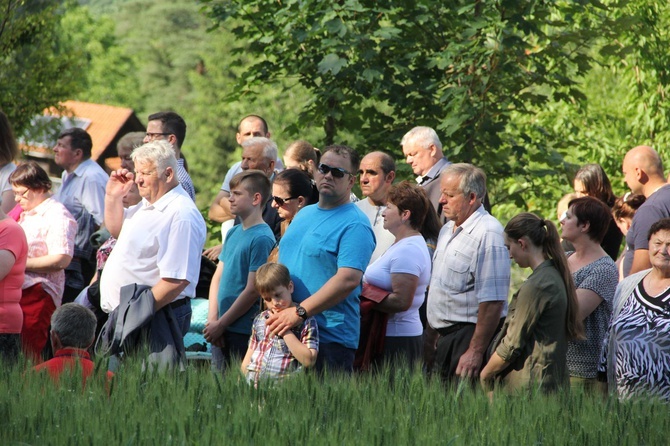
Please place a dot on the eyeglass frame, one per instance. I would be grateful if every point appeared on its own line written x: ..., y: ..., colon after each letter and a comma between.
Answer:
x: 23, y: 194
x: 152, y: 135
x: 330, y: 169
x: 282, y: 201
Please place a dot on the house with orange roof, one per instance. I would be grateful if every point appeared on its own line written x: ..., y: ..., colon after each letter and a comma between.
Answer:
x: 105, y: 123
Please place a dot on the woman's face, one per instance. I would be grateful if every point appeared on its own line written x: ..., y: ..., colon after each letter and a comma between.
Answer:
x: 132, y: 197
x: 580, y: 190
x: 624, y: 225
x: 291, y: 205
x: 659, y: 250
x: 570, y: 228
x: 392, y: 218
x: 516, y: 252
x: 28, y: 199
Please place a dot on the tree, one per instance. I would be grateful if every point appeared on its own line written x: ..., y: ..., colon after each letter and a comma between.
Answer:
x: 477, y: 71
x: 38, y: 68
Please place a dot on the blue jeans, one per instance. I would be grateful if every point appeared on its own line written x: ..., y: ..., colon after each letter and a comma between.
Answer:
x: 234, y: 349
x: 183, y: 315
x: 335, y: 357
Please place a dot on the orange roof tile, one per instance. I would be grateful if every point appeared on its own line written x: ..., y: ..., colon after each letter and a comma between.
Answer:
x: 106, y: 122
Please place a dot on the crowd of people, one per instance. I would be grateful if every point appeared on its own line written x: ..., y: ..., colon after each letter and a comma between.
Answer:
x: 414, y: 273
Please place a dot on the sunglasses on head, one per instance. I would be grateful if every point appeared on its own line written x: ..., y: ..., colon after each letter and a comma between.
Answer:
x: 337, y: 172
x: 282, y: 201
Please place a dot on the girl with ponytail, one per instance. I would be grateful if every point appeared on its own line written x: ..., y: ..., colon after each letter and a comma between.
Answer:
x: 530, y: 351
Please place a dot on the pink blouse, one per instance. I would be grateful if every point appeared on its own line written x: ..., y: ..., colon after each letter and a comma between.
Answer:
x: 50, y: 229
x: 12, y: 239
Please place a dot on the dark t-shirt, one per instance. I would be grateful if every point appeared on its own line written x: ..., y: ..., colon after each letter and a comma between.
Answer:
x: 656, y: 207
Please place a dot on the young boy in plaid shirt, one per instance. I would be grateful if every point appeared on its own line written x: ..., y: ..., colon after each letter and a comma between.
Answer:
x: 275, y: 357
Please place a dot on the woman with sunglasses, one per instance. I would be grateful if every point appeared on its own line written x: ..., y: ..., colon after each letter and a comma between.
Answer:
x: 50, y: 231
x: 291, y: 191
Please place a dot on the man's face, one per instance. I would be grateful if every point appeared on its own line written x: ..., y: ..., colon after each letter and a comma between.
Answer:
x: 151, y: 185
x: 659, y: 250
x: 154, y: 132
x: 630, y: 175
x: 419, y: 158
x: 126, y: 160
x: 455, y: 205
x: 329, y: 185
x: 65, y: 156
x: 374, y: 183
x: 250, y: 128
x: 252, y: 158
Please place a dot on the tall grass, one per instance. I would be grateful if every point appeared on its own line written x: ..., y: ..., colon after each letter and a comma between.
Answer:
x: 392, y: 407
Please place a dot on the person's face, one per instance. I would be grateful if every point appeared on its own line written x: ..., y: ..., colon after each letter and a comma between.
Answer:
x: 630, y: 175
x: 419, y: 158
x: 64, y: 155
x: 393, y: 218
x: 155, y: 132
x: 126, y: 160
x: 659, y: 250
x: 242, y: 201
x: 280, y: 298
x: 624, y: 225
x: 580, y: 190
x: 290, y: 206
x: 516, y: 251
x: 329, y: 185
x: 374, y: 183
x: 151, y: 186
x: 250, y: 128
x: 252, y: 158
x: 132, y: 197
x: 26, y: 198
x: 456, y: 206
x: 571, y: 229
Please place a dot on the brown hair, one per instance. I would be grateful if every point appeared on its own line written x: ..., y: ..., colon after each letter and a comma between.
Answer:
x: 31, y: 176
x: 596, y: 183
x: 626, y: 206
x: 593, y: 211
x: 543, y: 233
x: 271, y: 275
x: 411, y: 197
x: 303, y: 152
x: 255, y: 182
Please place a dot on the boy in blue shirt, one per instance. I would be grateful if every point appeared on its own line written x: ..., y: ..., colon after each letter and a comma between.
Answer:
x: 233, y: 299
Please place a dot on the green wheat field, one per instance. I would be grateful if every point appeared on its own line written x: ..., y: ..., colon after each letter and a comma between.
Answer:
x: 391, y: 407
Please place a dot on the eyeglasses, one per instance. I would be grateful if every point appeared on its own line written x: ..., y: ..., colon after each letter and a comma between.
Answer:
x: 154, y: 135
x: 22, y: 194
x: 337, y: 172
x: 282, y: 201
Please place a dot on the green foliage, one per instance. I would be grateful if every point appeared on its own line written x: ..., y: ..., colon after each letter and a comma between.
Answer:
x: 394, y: 407
x: 38, y: 64
x: 501, y: 82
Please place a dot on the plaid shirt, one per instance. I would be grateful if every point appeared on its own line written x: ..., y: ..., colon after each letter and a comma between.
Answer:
x: 271, y: 357
x: 471, y: 265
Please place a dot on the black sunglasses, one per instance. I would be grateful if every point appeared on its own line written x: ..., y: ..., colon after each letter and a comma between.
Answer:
x: 337, y: 172
x: 282, y: 201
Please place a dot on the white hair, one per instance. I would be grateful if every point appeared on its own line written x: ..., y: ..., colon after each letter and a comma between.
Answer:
x: 159, y: 152
x: 269, y: 147
x: 424, y: 137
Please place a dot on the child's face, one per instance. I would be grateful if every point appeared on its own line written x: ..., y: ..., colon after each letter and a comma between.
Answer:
x: 279, y: 298
x: 241, y: 201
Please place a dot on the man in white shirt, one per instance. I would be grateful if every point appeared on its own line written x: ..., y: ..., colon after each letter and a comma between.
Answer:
x: 376, y: 174
x: 159, y: 240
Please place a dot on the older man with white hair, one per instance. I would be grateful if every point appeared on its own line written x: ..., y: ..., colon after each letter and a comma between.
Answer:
x: 159, y: 240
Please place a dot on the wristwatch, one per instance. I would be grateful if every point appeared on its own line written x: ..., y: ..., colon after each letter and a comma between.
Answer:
x: 300, y: 311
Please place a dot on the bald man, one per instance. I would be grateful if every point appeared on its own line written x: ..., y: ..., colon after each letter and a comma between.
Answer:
x: 643, y: 173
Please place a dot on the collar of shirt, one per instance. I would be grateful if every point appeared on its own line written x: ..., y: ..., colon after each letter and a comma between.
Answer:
x: 40, y: 209
x: 162, y: 203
